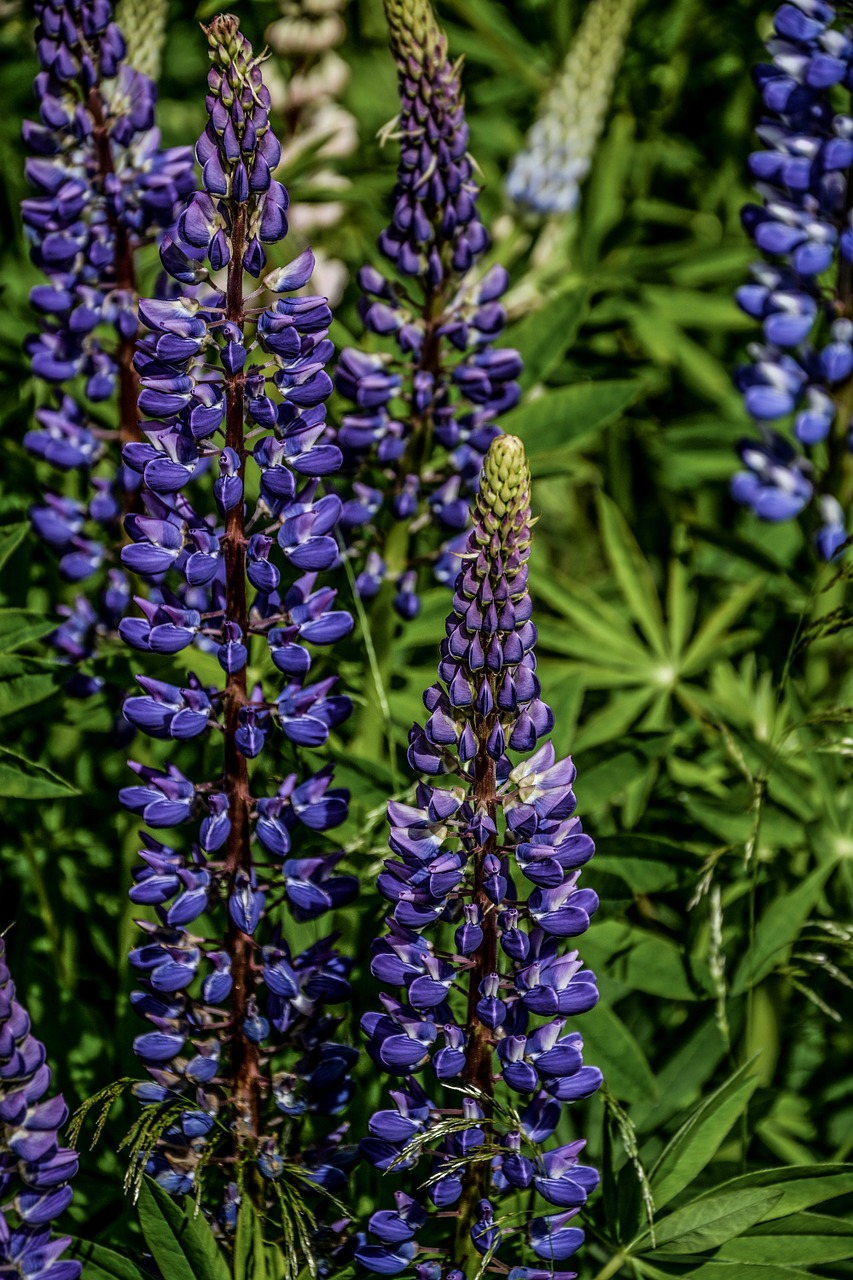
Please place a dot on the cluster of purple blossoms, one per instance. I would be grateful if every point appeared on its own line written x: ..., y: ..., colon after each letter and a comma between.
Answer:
x: 804, y: 226
x: 35, y: 1171
x: 423, y: 416
x: 485, y: 1003
x: 104, y: 189
x: 241, y: 1032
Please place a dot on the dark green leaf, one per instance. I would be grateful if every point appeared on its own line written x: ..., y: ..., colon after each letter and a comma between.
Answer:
x: 560, y: 420
x: 11, y: 537
x: 542, y: 337
x: 100, y: 1263
x: 249, y: 1259
x: 704, y: 1224
x: 179, y: 1237
x: 22, y: 779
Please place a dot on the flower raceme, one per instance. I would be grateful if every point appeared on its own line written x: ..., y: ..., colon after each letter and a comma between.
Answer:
x: 484, y: 984
x: 104, y: 189
x: 423, y: 416
x: 800, y: 372
x: 545, y: 176
x: 241, y: 1027
x: 35, y: 1172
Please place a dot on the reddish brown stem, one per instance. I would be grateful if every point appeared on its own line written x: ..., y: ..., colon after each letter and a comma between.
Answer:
x: 238, y: 854
x: 125, y: 278
x: 478, y: 1065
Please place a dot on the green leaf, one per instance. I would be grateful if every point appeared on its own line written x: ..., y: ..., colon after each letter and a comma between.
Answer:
x: 22, y: 779
x: 21, y: 626
x: 633, y: 574
x: 249, y: 1258
x: 705, y: 644
x: 704, y: 1224
x: 801, y: 1185
x: 100, y: 1263
x: 725, y: 1269
x: 179, y: 1238
x: 543, y: 337
x: 23, y: 691
x: 701, y: 1135
x: 778, y: 929
x: 802, y: 1238
x: 561, y: 419
x: 610, y: 1045
x: 11, y: 537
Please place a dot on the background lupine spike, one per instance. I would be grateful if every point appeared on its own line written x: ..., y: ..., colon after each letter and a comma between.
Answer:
x: 545, y: 176
x: 35, y: 1171
x: 486, y: 1005
x: 143, y: 24
x: 424, y: 414
x: 799, y: 374
x: 243, y: 1027
x: 95, y: 143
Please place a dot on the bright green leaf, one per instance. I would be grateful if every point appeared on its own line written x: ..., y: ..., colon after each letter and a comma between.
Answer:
x: 701, y: 1135
x: 633, y: 574
x: 561, y: 419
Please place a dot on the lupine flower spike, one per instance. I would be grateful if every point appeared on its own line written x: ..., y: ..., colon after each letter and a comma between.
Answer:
x: 799, y: 375
x: 546, y: 175
x: 484, y: 886
x: 239, y: 1024
x: 143, y: 25
x: 35, y: 1171
x: 104, y: 189
x: 424, y: 415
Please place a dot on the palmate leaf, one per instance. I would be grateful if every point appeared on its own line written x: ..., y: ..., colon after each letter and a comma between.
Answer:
x: 778, y: 929
x: 543, y: 337
x: 249, y: 1256
x: 704, y: 1224
x: 800, y: 1239
x: 701, y: 1135
x: 609, y: 1045
x: 178, y: 1236
x: 556, y: 423
x: 11, y: 537
x: 633, y: 575
x: 100, y: 1263
x: 23, y: 779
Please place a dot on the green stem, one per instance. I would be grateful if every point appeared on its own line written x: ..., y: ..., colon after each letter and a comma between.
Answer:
x: 374, y: 730
x: 613, y: 1267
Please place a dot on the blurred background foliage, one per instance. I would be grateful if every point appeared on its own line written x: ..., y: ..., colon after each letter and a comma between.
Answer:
x: 699, y: 664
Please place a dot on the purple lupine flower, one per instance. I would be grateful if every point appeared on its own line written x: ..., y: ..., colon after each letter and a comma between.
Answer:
x: 798, y: 374
x: 445, y: 381
x: 104, y: 189
x: 483, y: 882
x: 242, y: 1023
x: 35, y: 1171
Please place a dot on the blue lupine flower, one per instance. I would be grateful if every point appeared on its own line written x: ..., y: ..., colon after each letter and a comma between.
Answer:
x: 35, y: 1171
x: 252, y: 853
x: 447, y: 382
x: 464, y: 852
x: 104, y: 189
x: 803, y: 228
